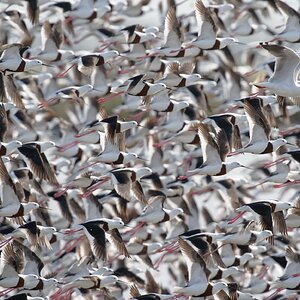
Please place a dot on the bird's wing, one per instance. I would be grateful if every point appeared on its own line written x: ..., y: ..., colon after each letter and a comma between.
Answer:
x: 279, y: 222
x: 259, y: 126
x: 49, y: 171
x: 210, y: 149
x: 138, y: 192
x: 13, y: 92
x: 116, y: 239
x: 11, y: 51
x: 206, y: 24
x: 172, y: 32
x: 216, y: 256
x: 3, y: 122
x: 63, y: 206
x: 97, y: 239
x: 35, y: 160
x: 152, y: 286
x: 8, y: 191
x: 195, y: 263
x: 287, y: 61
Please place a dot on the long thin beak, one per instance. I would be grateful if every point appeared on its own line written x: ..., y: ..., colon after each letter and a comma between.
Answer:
x: 291, y: 144
x: 144, y: 159
x: 46, y: 65
x: 125, y: 282
x: 247, y: 167
x: 128, y: 226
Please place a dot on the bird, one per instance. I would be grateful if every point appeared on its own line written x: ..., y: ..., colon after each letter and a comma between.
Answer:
x: 283, y: 81
x: 259, y: 130
x: 96, y: 230
x: 12, y: 62
x: 269, y: 211
x: 212, y: 156
x: 198, y: 284
x: 11, y: 206
x: 113, y: 138
x: 38, y: 161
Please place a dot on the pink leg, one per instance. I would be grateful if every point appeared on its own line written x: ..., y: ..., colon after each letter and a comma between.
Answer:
x: 136, y: 229
x: 274, y: 294
x: 275, y: 162
x: 122, y: 72
x: 6, y: 291
x: 84, y: 133
x: 93, y: 188
x: 263, y: 273
x: 60, y: 193
x: 87, y: 166
x: 106, y: 45
x: 67, y: 146
x: 64, y: 73
x: 231, y: 221
x: 138, y: 116
x: 168, y: 251
x: 46, y: 103
x: 103, y: 100
x: 276, y: 186
x: 234, y: 153
x: 69, y: 247
x: 160, y: 144
x: 5, y: 242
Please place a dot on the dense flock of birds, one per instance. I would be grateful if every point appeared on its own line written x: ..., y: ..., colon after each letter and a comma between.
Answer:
x: 153, y: 162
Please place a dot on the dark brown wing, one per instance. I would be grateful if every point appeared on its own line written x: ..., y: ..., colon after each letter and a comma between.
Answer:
x: 223, y: 144
x: 134, y: 291
x: 279, y: 222
x: 98, y: 243
x: 35, y: 160
x: 77, y: 209
x: 118, y: 242
x: 266, y: 223
x: 152, y: 286
x: 12, y: 91
x: 49, y: 171
x: 63, y: 205
x: 237, y: 141
x: 3, y: 122
x: 138, y: 192
x: 256, y: 116
x: 32, y: 11
x: 216, y: 256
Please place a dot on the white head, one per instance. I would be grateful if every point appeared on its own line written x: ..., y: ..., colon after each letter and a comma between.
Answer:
x: 115, y: 223
x: 263, y: 235
x: 85, y: 89
x: 233, y: 165
x: 33, y: 63
x: 230, y: 271
x: 47, y: 145
x: 30, y: 206
x: 246, y: 257
x: 110, y: 279
x: 145, y: 171
x: 50, y: 281
x: 244, y: 208
x: 50, y: 230
x: 110, y: 54
x: 181, y: 105
x: 218, y: 287
x: 227, y: 41
x: 13, y: 145
x: 190, y: 79
x: 278, y: 143
x: 157, y: 87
